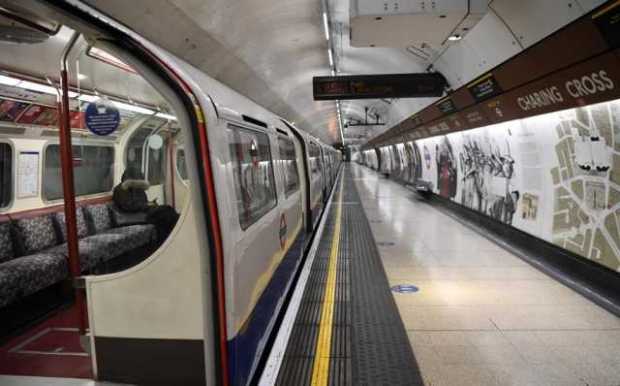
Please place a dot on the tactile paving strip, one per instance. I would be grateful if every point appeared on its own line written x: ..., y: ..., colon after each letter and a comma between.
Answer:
x: 369, y: 344
x: 380, y: 349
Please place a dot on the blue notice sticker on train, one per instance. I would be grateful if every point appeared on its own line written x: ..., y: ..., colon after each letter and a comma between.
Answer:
x: 405, y: 288
x: 102, y: 118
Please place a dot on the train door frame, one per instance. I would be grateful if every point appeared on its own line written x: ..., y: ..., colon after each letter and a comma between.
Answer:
x: 305, y: 157
x: 325, y: 173
x: 11, y: 202
x: 190, y: 111
x: 296, y: 198
x: 316, y: 187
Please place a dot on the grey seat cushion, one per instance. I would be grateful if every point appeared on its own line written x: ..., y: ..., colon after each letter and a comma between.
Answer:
x: 82, y: 228
x: 135, y: 236
x: 26, y: 275
x: 7, y: 251
x: 114, y: 242
x: 36, y: 233
x: 90, y: 254
x: 99, y: 216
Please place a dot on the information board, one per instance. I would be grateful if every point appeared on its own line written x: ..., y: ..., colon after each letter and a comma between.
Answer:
x: 28, y: 174
x: 102, y: 118
x: 378, y: 86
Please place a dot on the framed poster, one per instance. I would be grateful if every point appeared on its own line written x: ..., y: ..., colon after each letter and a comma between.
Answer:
x: 10, y: 110
x: 28, y: 174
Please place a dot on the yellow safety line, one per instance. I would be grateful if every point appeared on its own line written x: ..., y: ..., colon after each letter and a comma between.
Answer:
x: 320, y: 370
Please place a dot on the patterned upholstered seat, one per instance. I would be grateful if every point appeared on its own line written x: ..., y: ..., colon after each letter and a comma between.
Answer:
x: 125, y: 239
x: 40, y: 262
x: 99, y: 217
x: 26, y: 275
x: 82, y: 228
x: 36, y: 233
x: 97, y: 249
x: 90, y: 255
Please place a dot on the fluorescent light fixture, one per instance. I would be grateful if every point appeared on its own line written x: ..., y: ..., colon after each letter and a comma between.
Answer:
x: 166, y: 116
x: 7, y: 80
x: 339, y: 121
x: 134, y: 108
x: 331, y: 58
x: 326, y: 25
x: 88, y: 98
x: 106, y: 57
x: 37, y: 87
x: 32, y: 86
x: 82, y: 76
x: 455, y: 38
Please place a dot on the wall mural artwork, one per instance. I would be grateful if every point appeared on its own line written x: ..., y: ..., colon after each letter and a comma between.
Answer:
x: 586, y: 183
x: 446, y: 168
x: 487, y: 170
x: 555, y: 176
x: 415, y: 169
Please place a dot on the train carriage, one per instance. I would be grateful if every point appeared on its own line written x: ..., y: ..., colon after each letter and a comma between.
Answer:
x: 232, y: 195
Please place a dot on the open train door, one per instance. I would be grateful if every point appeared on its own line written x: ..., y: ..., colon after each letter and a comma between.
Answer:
x: 159, y: 316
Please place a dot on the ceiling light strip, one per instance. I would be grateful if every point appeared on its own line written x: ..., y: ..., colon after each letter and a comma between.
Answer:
x: 326, y: 26
x: 45, y: 89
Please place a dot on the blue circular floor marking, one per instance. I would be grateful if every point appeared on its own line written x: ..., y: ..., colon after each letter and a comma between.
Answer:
x: 405, y: 288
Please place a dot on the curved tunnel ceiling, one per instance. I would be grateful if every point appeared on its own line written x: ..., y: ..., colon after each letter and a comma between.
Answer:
x: 269, y: 50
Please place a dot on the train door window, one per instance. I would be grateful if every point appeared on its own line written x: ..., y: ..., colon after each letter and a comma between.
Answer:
x: 181, y: 165
x: 253, y: 174
x: 6, y: 174
x: 93, y: 169
x: 149, y: 160
x: 289, y: 163
x: 315, y: 163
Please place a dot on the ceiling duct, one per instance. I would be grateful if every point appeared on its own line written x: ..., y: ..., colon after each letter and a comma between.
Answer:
x: 406, y: 23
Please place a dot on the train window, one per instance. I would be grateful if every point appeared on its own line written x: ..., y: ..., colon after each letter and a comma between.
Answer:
x: 93, y: 169
x: 181, y: 166
x: 289, y: 163
x: 153, y: 165
x: 6, y: 174
x: 315, y: 154
x: 253, y: 174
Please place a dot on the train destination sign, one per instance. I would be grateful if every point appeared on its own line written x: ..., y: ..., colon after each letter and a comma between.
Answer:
x: 378, y: 86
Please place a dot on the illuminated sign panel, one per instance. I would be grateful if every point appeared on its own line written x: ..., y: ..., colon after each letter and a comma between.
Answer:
x: 378, y: 86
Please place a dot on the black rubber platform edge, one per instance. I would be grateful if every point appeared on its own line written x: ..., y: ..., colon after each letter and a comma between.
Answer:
x: 597, y: 283
x: 380, y: 350
x: 369, y: 343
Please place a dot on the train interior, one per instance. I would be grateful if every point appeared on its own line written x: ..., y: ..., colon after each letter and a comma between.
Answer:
x: 131, y: 185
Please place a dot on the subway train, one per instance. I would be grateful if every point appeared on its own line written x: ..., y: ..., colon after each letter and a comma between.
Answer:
x: 88, y: 102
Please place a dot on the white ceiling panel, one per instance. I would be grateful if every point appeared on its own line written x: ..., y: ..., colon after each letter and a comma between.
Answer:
x: 532, y: 20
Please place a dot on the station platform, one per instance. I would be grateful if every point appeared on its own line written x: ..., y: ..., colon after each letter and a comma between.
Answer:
x: 401, y: 293
x: 398, y: 292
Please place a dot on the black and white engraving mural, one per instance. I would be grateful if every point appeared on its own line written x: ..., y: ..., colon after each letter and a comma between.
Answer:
x: 555, y: 176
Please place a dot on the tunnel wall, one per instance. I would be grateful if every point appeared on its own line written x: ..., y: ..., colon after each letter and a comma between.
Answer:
x: 525, y: 173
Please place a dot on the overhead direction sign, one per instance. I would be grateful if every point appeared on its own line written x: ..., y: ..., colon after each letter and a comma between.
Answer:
x: 341, y: 87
